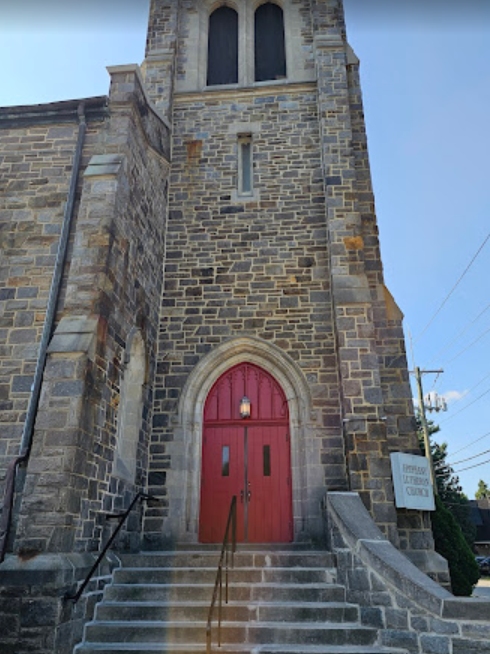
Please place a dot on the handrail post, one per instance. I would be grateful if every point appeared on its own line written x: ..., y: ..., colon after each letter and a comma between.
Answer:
x: 123, y: 518
x: 208, y: 639
x: 226, y: 574
x: 220, y: 603
x: 233, y: 532
x: 218, y: 584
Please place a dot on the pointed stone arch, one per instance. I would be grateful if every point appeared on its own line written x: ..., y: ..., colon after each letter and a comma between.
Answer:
x: 185, y: 477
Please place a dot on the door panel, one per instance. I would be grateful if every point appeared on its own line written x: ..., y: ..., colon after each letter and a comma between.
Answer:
x: 267, y: 516
x: 219, y: 483
x: 269, y: 508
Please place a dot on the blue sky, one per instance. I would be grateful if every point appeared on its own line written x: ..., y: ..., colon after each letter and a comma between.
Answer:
x: 425, y: 70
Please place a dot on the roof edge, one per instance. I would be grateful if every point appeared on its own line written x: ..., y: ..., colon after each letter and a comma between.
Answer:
x: 65, y: 111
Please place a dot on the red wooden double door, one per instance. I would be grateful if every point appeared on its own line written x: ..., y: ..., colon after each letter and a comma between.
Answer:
x: 246, y: 457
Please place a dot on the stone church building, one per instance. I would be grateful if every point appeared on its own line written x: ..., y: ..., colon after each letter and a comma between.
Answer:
x: 193, y: 307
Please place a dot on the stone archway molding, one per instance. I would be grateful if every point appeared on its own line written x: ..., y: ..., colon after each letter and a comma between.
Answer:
x: 185, y: 477
x: 239, y: 350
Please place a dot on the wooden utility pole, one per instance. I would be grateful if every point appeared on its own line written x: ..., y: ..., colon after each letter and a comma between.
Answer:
x: 423, y: 420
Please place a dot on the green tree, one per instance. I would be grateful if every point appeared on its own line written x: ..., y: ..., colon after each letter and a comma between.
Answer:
x: 454, y: 533
x: 451, y: 544
x: 483, y: 492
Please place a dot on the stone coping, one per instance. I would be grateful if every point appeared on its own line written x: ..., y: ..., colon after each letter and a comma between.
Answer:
x: 57, y: 570
x: 136, y: 70
x: 365, y: 539
x: 66, y: 111
x: 124, y: 90
x: 235, y: 92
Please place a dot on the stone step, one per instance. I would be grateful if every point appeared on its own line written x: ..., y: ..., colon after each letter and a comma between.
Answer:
x: 238, y: 575
x: 281, y: 612
x: 243, y: 547
x: 231, y: 632
x: 237, y: 592
x: 200, y: 559
x: 157, y: 648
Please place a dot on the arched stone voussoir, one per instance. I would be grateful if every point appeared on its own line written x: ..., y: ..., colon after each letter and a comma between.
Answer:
x: 238, y: 350
x: 185, y: 476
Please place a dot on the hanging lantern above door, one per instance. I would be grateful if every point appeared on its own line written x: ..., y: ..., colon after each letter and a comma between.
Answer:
x: 245, y: 407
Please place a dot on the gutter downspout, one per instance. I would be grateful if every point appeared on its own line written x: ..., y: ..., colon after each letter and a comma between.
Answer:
x: 26, y: 443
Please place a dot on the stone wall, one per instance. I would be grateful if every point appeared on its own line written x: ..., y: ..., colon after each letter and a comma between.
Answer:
x: 414, y: 528
x: 298, y: 265
x: 160, y: 57
x: 364, y: 411
x: 34, y: 614
x: 377, y: 405
x: 110, y: 296
x: 36, y: 157
x: 409, y: 609
x: 113, y: 286
x: 238, y: 266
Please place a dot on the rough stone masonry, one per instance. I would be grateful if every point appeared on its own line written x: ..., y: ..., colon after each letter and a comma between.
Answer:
x: 172, y: 276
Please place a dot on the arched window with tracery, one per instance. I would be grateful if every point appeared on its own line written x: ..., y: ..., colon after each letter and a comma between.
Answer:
x: 270, y: 52
x: 223, y: 47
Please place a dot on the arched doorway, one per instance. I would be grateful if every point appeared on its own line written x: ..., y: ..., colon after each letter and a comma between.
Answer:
x: 247, y: 457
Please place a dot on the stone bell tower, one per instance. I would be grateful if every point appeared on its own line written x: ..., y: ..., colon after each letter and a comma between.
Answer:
x: 212, y: 322
x: 272, y: 256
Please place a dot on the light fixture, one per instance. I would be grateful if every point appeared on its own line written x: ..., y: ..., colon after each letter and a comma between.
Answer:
x: 245, y: 407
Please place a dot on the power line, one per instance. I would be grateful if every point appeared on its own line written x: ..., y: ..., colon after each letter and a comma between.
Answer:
x: 468, y: 346
x: 469, y: 445
x: 466, y: 393
x: 453, y: 288
x: 466, y: 407
x: 477, y: 465
x: 444, y: 464
x: 435, y: 381
x: 458, y: 336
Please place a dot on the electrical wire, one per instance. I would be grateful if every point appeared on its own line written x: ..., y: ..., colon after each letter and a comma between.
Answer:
x: 468, y: 346
x: 477, y: 465
x: 465, y: 407
x: 458, y: 336
x: 466, y: 393
x: 435, y: 382
x: 469, y: 445
x: 442, y: 465
x: 460, y: 279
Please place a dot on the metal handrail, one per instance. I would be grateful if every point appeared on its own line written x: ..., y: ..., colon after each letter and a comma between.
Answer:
x: 219, y: 574
x: 122, y: 519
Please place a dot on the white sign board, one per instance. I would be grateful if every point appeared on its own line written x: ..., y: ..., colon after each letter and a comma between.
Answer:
x: 411, y: 478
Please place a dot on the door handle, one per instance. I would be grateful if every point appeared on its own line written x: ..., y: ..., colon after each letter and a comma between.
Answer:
x: 242, y: 494
x: 249, y: 493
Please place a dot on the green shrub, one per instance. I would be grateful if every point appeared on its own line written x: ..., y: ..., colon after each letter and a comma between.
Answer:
x: 451, y: 544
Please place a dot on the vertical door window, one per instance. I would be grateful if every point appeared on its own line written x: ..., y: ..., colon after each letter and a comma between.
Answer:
x: 225, y: 461
x: 267, y: 460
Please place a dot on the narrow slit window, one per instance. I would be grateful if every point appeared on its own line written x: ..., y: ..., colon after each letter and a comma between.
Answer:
x: 245, y: 166
x: 267, y: 460
x: 225, y: 461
